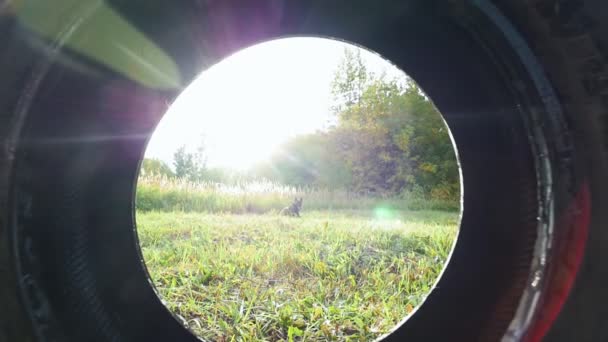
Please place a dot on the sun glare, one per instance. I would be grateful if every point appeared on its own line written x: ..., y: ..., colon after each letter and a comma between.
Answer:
x: 244, y: 107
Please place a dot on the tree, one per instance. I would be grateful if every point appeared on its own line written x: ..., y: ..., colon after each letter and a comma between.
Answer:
x: 349, y: 81
x: 200, y: 157
x: 191, y: 165
x: 185, y: 165
x: 156, y: 167
x: 307, y: 160
x: 389, y: 133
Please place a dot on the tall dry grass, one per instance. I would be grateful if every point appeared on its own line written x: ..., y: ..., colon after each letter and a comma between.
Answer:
x: 157, y: 193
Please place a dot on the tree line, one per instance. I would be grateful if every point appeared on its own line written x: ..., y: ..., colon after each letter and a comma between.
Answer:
x: 386, y: 138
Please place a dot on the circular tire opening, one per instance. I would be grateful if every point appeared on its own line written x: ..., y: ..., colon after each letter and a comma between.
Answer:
x: 301, y: 189
x: 89, y: 82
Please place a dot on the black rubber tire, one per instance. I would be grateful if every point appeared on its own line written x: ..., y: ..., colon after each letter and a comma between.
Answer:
x: 522, y: 85
x: 570, y: 39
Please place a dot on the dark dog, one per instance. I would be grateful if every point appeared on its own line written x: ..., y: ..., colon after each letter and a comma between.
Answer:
x: 294, y: 208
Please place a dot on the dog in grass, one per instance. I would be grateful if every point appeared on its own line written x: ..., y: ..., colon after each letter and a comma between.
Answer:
x: 294, y: 209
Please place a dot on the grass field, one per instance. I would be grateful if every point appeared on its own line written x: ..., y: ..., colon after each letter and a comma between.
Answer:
x: 329, y: 275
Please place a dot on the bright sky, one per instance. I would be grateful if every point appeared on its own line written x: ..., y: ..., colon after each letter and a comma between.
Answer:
x: 248, y: 104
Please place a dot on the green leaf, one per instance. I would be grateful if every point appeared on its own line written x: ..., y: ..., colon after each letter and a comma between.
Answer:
x: 292, y: 332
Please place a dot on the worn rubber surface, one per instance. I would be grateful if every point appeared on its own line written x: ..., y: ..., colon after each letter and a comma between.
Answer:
x: 498, y: 70
x: 570, y: 38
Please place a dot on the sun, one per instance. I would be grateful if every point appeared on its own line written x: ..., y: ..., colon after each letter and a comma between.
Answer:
x: 241, y: 115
